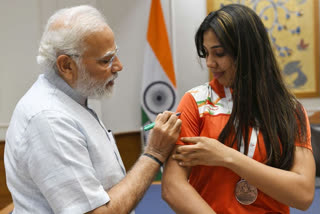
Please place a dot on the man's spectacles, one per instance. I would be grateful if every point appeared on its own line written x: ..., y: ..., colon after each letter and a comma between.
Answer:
x: 113, y: 54
x: 105, y: 60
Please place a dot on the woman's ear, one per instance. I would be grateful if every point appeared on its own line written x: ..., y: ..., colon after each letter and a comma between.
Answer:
x: 67, y: 69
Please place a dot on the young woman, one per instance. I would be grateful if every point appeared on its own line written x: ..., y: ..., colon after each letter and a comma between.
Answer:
x: 254, y: 152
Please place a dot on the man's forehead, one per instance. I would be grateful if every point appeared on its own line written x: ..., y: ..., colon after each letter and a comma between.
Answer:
x: 100, y: 42
x: 105, y: 36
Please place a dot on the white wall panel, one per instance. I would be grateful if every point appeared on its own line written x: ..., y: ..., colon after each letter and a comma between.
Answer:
x: 18, y: 41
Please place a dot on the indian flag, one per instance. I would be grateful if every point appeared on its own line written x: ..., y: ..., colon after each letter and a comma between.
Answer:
x: 159, y: 82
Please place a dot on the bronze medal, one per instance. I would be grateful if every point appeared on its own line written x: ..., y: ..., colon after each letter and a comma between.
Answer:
x: 245, y: 193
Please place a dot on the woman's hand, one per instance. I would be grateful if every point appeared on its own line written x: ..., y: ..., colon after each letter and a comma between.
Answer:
x: 202, y: 151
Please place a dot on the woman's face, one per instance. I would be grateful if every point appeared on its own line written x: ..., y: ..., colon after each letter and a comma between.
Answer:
x: 218, y: 61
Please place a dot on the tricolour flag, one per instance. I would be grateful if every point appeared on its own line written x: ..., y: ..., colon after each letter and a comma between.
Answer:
x: 159, y: 82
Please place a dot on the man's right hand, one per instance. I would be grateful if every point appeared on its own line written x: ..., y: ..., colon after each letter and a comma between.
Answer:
x: 164, y: 135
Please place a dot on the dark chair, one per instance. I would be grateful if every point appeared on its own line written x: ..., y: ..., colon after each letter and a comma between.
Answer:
x: 315, y: 141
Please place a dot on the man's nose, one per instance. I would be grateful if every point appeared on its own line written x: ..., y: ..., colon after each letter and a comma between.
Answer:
x: 117, y: 65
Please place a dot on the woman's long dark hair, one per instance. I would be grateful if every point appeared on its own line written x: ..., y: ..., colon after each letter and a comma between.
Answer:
x: 260, y: 97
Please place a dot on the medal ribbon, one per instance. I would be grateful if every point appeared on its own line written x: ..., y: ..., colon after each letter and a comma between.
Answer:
x: 254, y: 132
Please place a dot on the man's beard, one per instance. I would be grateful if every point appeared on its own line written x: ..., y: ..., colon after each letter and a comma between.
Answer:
x: 89, y: 87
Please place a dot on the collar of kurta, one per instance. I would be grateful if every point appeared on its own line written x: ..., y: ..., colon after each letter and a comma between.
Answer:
x: 57, y: 81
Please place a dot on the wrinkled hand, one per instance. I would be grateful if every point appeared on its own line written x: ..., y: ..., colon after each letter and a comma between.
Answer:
x: 164, y: 135
x: 202, y: 151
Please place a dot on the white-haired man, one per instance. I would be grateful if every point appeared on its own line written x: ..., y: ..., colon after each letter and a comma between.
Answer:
x: 59, y: 157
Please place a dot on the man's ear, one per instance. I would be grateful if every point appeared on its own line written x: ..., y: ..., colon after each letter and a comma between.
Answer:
x: 67, y: 69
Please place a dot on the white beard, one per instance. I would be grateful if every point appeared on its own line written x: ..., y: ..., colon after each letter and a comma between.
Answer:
x: 89, y: 87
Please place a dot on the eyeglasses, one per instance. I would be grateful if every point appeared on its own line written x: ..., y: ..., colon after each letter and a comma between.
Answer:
x: 114, y: 54
x: 105, y: 60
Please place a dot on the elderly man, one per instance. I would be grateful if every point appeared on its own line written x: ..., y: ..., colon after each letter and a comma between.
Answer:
x: 59, y: 157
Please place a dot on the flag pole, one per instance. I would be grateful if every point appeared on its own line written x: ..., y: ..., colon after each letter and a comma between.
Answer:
x: 173, y: 37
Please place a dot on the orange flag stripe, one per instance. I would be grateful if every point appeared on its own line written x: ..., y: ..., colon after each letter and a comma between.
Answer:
x: 158, y: 39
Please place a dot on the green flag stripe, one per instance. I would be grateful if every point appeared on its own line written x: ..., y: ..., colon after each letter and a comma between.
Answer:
x: 144, y: 117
